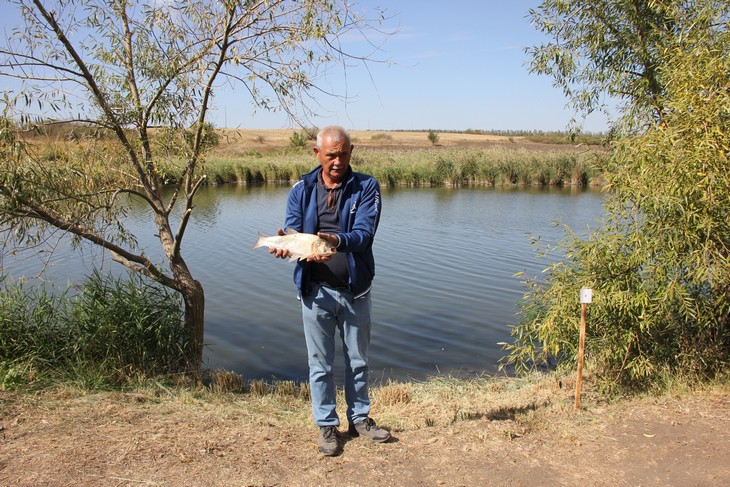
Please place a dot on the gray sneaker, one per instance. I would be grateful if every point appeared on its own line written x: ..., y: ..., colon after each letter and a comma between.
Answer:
x: 368, y: 429
x: 329, y: 444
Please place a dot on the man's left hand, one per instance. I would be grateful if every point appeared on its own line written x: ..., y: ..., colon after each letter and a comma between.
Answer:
x: 331, y: 239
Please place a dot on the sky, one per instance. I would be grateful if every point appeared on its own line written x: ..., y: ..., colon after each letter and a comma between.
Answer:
x: 450, y: 66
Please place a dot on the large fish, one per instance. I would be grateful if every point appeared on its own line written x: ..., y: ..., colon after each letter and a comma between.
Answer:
x: 300, y: 245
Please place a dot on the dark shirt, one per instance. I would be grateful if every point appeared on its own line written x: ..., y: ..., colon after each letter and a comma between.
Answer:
x: 334, y: 271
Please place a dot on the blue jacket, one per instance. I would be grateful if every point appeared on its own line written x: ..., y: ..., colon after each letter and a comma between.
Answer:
x: 360, y: 206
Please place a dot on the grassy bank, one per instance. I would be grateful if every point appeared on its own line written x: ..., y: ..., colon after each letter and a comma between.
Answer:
x: 522, y: 403
x: 111, y: 334
x: 439, y: 401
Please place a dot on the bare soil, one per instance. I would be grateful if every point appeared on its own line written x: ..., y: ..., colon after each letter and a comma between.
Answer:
x: 126, y: 439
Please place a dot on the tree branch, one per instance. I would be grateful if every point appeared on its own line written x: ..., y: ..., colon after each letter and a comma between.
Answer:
x: 138, y: 263
x: 99, y: 96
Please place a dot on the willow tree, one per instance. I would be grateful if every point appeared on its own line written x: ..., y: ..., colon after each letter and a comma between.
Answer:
x: 609, y: 51
x: 660, y: 263
x: 125, y: 67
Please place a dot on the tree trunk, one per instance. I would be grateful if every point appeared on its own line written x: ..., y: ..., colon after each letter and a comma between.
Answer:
x: 194, y: 299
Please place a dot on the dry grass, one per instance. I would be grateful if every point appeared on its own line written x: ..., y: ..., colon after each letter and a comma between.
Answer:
x: 439, y: 401
x: 235, y: 142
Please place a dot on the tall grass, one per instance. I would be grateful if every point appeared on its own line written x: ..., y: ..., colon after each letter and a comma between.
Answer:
x: 422, y: 167
x: 493, y: 167
x: 110, y: 332
x: 427, y: 166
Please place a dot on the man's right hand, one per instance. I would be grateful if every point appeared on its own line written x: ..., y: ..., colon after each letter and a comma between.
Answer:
x: 279, y: 253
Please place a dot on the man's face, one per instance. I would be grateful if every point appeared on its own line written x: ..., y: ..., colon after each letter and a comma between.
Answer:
x: 334, y: 156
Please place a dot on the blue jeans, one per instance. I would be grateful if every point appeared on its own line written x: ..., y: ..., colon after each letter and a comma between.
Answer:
x: 324, y: 311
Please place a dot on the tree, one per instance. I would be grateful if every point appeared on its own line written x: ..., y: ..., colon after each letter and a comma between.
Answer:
x: 610, y: 48
x: 126, y: 67
x: 660, y: 264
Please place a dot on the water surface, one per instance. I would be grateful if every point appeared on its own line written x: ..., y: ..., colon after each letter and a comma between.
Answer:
x: 444, y: 293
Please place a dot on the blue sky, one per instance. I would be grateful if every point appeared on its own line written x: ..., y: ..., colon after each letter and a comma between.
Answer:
x: 453, y: 66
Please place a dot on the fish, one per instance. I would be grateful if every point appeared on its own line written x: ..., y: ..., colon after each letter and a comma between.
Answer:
x: 300, y: 245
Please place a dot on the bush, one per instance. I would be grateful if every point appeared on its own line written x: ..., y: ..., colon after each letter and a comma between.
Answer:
x: 178, y: 142
x: 433, y: 137
x: 300, y: 138
x: 660, y: 265
x: 211, y: 138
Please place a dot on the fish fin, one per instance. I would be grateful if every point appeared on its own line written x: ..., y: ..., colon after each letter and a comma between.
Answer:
x: 258, y: 243
x: 291, y: 231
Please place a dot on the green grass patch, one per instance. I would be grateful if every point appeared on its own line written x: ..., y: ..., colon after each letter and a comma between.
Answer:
x: 108, y: 333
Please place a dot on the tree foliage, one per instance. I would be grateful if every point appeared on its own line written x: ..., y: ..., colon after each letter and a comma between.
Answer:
x: 660, y: 264
x: 131, y: 68
x: 605, y: 51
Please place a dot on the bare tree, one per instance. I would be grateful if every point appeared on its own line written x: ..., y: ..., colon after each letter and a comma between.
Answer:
x: 127, y: 67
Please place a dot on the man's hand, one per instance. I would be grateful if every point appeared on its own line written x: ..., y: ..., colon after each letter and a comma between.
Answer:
x: 279, y: 253
x: 331, y: 239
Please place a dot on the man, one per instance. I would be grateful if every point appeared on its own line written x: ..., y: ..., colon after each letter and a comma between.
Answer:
x: 343, y: 208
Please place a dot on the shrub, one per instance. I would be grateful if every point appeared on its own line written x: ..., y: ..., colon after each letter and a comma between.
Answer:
x: 433, y: 137
x: 660, y: 265
x: 300, y: 138
x: 381, y: 137
x: 211, y: 138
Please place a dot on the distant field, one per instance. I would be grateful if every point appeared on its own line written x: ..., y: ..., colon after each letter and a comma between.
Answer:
x: 238, y: 141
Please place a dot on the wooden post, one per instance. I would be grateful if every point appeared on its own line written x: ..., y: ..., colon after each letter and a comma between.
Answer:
x: 586, y: 296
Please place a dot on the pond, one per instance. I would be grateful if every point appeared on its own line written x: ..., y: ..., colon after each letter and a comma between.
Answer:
x: 445, y: 290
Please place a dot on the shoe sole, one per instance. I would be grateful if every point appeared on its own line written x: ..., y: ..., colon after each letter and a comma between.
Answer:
x: 328, y: 453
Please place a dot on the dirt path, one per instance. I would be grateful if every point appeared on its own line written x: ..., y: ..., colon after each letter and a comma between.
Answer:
x: 131, y: 440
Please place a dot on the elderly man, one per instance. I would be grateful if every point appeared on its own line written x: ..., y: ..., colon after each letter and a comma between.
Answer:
x: 343, y: 208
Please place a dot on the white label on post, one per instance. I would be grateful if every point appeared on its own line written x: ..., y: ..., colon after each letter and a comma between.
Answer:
x: 586, y: 296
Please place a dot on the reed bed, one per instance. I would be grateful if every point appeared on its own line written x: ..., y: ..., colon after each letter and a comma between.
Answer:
x: 107, y: 332
x: 496, y: 166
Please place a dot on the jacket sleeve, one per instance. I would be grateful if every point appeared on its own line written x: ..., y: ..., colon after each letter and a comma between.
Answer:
x: 294, y: 209
x: 366, y: 213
